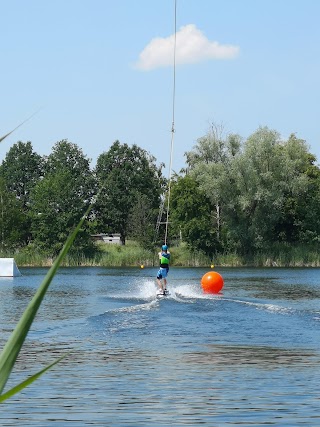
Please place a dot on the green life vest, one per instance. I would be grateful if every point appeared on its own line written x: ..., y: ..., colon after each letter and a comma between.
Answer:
x: 164, y: 260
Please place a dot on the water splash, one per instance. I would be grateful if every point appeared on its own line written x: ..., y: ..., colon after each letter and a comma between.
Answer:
x: 133, y: 308
x: 193, y: 292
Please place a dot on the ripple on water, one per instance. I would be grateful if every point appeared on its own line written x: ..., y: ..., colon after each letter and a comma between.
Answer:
x: 242, y: 358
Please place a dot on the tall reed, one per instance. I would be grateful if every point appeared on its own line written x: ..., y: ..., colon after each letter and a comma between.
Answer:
x: 13, y: 346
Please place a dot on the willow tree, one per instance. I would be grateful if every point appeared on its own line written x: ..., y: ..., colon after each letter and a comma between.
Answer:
x: 210, y: 163
x: 269, y: 174
x: 299, y: 220
x: 260, y: 189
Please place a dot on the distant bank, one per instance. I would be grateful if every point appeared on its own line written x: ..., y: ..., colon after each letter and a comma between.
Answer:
x: 133, y: 255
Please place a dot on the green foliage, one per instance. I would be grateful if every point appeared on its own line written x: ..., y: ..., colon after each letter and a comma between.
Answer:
x: 59, y: 199
x: 31, y: 255
x: 238, y: 197
x: 260, y: 191
x: 141, y: 221
x: 269, y: 179
x: 184, y: 256
x: 130, y: 255
x: 21, y: 169
x: 127, y: 176
x: 192, y: 215
x: 280, y: 254
x: 214, y: 147
x: 12, y: 219
x: 210, y: 164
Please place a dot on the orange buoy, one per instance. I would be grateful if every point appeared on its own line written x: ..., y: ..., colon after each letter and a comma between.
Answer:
x: 212, y: 282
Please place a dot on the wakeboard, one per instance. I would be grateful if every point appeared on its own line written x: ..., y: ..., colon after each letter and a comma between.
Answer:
x: 161, y: 293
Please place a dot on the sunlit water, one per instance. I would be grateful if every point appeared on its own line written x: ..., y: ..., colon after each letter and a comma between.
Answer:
x: 248, y: 357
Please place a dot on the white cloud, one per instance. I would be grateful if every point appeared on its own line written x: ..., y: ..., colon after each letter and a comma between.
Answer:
x: 191, y: 46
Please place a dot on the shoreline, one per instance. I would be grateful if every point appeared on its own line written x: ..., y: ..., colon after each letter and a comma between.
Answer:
x: 135, y: 256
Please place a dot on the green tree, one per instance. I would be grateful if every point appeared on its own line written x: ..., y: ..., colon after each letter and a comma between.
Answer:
x: 214, y: 147
x: 260, y: 190
x: 301, y: 210
x: 12, y: 219
x: 192, y: 215
x: 126, y: 176
x: 141, y: 221
x: 210, y: 163
x: 22, y: 168
x: 270, y: 178
x: 61, y: 197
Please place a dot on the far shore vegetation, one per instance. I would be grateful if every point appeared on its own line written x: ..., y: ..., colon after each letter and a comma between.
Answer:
x: 133, y: 255
x: 238, y: 202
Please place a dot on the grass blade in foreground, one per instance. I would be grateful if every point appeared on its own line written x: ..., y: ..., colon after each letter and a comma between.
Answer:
x: 9, y: 133
x: 28, y: 381
x: 13, y: 346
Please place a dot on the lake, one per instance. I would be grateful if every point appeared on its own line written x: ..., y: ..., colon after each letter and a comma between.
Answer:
x: 247, y: 357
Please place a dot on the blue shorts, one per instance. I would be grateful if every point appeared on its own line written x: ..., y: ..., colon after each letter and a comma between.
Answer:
x: 162, y: 273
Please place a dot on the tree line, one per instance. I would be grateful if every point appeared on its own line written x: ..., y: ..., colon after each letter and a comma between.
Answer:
x: 234, y: 195
x: 246, y: 196
x: 43, y: 198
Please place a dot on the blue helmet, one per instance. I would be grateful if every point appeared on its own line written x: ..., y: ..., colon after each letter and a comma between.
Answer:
x: 164, y: 248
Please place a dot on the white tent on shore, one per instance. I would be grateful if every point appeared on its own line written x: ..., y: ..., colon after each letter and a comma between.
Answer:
x: 8, y: 268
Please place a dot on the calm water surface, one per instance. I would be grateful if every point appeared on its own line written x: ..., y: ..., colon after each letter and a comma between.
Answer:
x: 248, y: 357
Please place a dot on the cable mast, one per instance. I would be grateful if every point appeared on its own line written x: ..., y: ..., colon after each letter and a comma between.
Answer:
x: 162, y: 205
x: 173, y: 117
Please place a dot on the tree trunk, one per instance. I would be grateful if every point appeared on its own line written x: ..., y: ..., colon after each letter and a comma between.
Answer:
x: 218, y: 218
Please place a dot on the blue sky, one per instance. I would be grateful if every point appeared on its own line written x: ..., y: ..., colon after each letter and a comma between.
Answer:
x: 101, y: 70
